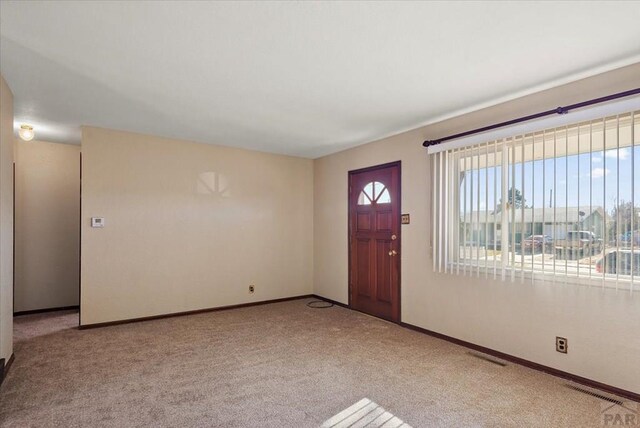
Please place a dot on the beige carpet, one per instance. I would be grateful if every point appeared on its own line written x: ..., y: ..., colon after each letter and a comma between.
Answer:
x: 278, y: 365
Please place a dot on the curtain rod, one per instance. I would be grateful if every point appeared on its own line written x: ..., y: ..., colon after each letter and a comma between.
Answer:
x: 557, y: 110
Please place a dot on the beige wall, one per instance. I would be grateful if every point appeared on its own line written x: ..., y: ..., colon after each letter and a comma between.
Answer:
x: 6, y: 220
x: 519, y: 319
x: 47, y: 225
x: 190, y: 226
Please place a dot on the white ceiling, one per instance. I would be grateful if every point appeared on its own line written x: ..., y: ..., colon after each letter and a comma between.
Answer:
x: 299, y: 78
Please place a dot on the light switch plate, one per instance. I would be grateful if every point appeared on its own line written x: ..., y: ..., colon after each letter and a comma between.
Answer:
x: 97, y: 221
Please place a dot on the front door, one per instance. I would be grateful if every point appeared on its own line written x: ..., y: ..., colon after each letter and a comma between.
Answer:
x: 374, y: 241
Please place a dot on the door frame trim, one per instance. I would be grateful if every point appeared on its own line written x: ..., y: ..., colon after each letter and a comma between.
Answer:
x: 398, y: 164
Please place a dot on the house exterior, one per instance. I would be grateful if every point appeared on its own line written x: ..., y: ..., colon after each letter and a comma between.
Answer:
x: 478, y: 227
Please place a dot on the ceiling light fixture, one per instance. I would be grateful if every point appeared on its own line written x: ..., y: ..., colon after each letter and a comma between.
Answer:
x: 26, y: 132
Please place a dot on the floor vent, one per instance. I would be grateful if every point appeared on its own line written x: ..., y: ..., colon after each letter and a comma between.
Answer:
x: 594, y: 394
x: 488, y: 358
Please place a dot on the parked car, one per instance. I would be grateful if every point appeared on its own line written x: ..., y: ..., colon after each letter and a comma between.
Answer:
x: 619, y: 261
x: 578, y: 244
x: 536, y: 243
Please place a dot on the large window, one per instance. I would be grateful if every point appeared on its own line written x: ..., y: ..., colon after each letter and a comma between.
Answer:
x: 563, y: 202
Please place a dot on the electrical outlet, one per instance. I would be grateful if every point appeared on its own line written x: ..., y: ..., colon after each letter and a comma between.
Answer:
x: 562, y: 344
x: 252, y: 289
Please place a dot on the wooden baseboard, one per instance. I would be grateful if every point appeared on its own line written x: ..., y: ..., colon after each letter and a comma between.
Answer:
x: 5, y: 367
x: 40, y: 311
x: 530, y: 364
x: 197, y: 311
x: 331, y: 301
x: 517, y: 360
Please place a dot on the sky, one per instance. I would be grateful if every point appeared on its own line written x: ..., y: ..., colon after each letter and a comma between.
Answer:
x: 577, y: 177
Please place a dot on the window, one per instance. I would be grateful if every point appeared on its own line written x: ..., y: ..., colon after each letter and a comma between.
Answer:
x: 564, y: 202
x: 374, y: 192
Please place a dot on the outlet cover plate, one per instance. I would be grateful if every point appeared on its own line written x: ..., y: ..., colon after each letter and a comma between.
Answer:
x: 562, y: 345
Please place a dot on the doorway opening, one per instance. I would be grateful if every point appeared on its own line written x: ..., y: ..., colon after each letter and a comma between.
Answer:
x: 46, y: 283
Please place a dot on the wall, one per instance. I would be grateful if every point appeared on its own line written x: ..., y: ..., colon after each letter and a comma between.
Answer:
x: 190, y: 226
x: 514, y: 318
x: 6, y: 220
x: 47, y: 225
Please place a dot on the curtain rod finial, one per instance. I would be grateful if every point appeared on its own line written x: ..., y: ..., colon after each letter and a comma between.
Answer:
x: 428, y: 143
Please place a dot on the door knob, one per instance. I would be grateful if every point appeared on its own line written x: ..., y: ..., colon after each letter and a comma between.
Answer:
x: 393, y: 252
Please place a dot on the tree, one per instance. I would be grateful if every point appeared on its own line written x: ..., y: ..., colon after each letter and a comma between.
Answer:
x: 626, y: 212
x: 514, y: 199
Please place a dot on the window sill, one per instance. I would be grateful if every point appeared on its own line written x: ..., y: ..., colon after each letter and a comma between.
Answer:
x: 515, y: 275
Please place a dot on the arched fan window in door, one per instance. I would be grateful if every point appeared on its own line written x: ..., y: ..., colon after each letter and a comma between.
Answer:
x: 374, y: 192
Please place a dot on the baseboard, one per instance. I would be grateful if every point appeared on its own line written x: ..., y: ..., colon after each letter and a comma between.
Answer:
x: 331, y: 301
x: 197, y: 311
x: 517, y: 360
x: 530, y: 364
x: 5, y: 367
x: 40, y: 311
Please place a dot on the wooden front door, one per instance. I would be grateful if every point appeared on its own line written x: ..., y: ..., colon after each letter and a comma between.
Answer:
x: 374, y: 241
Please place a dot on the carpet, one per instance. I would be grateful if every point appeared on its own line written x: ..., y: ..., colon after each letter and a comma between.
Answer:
x: 276, y: 365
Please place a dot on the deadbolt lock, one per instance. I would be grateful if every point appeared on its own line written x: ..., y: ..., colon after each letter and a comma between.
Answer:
x: 394, y: 237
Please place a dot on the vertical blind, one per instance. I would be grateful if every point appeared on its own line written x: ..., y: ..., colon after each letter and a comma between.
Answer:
x: 559, y: 204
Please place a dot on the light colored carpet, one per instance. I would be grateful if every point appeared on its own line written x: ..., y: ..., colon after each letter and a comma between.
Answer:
x: 278, y: 365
